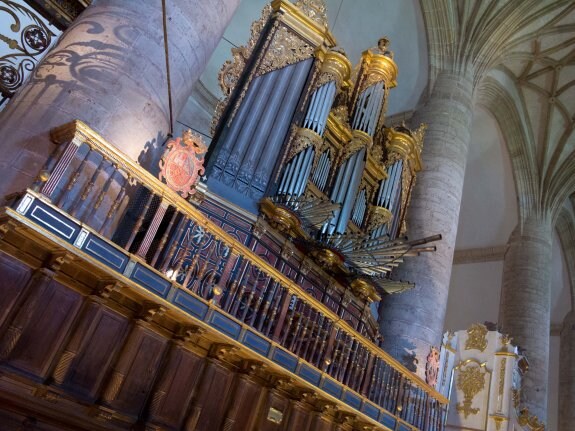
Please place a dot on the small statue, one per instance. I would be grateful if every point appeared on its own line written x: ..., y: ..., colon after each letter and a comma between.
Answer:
x: 382, y: 47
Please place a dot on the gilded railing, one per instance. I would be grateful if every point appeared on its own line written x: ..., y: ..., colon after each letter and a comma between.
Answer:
x: 96, y: 184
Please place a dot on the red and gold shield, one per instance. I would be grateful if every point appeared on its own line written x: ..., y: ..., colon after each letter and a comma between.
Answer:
x: 183, y: 163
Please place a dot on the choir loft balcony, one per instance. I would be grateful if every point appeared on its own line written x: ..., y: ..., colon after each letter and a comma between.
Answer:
x: 126, y: 305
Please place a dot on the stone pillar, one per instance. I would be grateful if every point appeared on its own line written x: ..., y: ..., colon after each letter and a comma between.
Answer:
x: 524, y: 312
x: 567, y: 374
x: 109, y: 70
x: 412, y: 322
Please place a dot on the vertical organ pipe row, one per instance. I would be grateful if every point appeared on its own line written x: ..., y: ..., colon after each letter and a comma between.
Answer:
x: 298, y: 169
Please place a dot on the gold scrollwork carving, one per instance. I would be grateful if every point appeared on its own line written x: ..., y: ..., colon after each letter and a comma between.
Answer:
x: 378, y: 216
x: 314, y: 9
x: 232, y: 69
x: 476, y: 337
x: 531, y: 421
x: 470, y: 381
x: 303, y: 139
x: 358, y: 141
x: 286, y: 48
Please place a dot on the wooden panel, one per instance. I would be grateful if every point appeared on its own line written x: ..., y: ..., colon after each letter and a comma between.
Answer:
x: 13, y: 279
x: 279, y: 402
x: 243, y: 405
x: 103, y: 337
x: 299, y: 417
x: 46, y: 329
x: 211, y: 401
x: 139, y: 364
x: 175, y: 388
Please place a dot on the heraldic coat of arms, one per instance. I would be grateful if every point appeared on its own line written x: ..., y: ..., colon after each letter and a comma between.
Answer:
x: 182, y: 164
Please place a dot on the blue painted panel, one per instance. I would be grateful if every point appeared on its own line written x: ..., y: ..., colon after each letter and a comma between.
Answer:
x: 310, y: 374
x: 150, y: 280
x: 225, y: 325
x: 256, y: 343
x: 332, y: 387
x: 352, y: 399
x: 53, y: 221
x: 285, y: 359
x: 387, y: 419
x: 370, y: 410
x: 404, y: 427
x: 192, y: 305
x: 105, y: 253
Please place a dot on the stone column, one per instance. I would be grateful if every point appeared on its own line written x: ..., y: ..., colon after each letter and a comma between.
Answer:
x: 109, y: 70
x: 524, y: 312
x: 567, y: 374
x: 412, y: 322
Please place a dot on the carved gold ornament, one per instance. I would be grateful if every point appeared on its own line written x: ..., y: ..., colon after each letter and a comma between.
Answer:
x: 314, y: 9
x: 303, y: 139
x: 531, y: 421
x: 285, y: 48
x: 231, y: 70
x: 476, y: 337
x: 358, y: 141
x: 378, y: 216
x: 470, y: 381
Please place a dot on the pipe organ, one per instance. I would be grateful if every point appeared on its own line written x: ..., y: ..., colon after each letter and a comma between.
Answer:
x: 240, y: 303
x: 301, y: 128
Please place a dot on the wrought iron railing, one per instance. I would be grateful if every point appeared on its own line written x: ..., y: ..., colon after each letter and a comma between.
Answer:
x: 25, y: 37
x: 97, y: 185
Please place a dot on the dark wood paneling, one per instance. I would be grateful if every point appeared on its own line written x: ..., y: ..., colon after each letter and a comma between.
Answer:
x: 14, y: 276
x: 139, y: 365
x: 244, y: 405
x: 45, y: 330
x: 175, y: 388
x: 211, y: 401
x: 102, y: 332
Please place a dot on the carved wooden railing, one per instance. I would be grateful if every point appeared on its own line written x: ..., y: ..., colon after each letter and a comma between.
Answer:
x: 97, y: 185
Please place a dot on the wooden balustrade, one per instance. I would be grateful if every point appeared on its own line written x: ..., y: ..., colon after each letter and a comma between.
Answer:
x: 175, y: 238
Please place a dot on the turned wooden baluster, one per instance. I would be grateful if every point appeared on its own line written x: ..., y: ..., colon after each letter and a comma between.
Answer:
x: 278, y: 300
x: 374, y: 382
x: 237, y: 300
x: 349, y: 344
x: 291, y: 318
x: 266, y: 308
x: 72, y: 182
x: 300, y: 338
x: 337, y: 352
x: 249, y: 300
x: 88, y: 187
x: 260, y: 299
x: 317, y: 339
x: 232, y: 290
x: 106, y: 187
x: 313, y: 336
x: 164, y: 239
x: 197, y: 282
x: 352, y: 364
x: 139, y: 221
x: 114, y: 208
x: 296, y: 331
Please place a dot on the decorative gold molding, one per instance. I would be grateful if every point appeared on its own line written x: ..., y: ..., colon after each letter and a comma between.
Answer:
x: 470, y: 381
x: 476, y: 337
x: 304, y: 138
x: 285, y: 48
